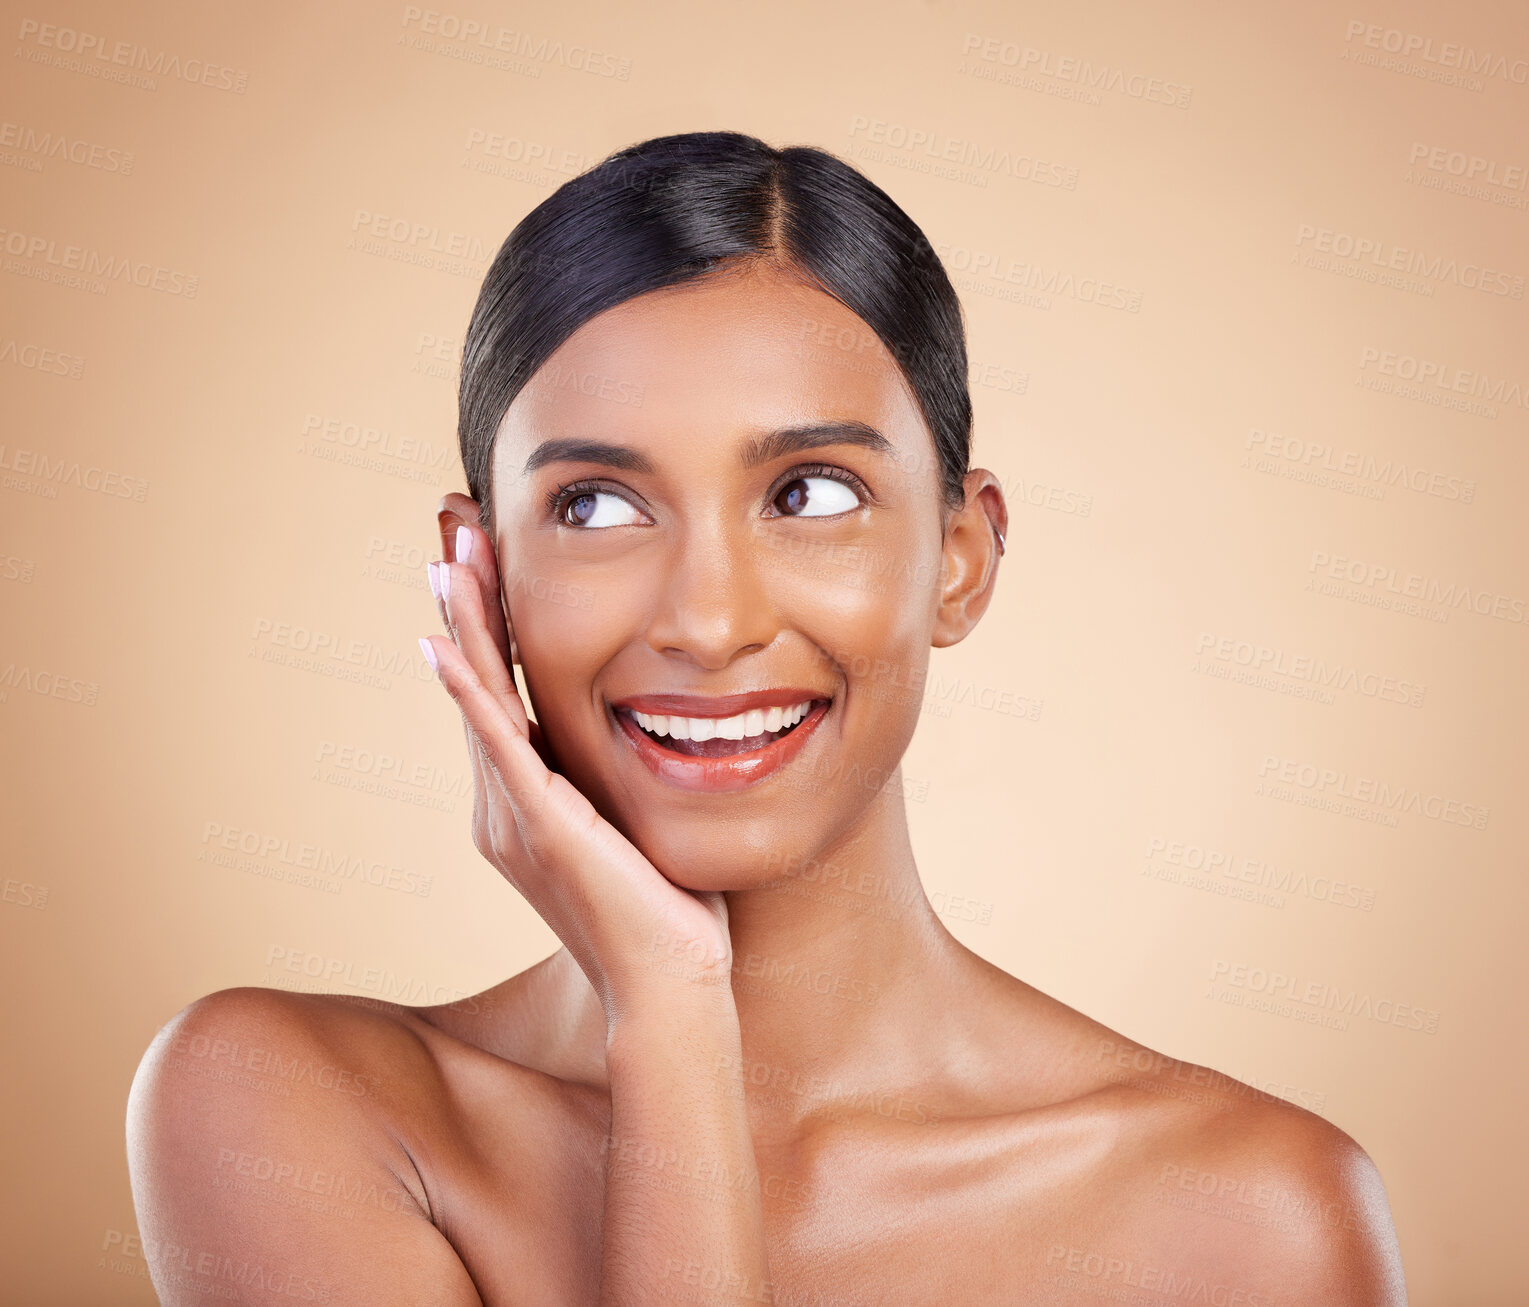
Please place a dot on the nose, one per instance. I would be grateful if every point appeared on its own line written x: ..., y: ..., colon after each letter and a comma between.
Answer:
x: 712, y: 605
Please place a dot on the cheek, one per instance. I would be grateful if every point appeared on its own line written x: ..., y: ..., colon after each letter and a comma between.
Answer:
x: 856, y: 601
x: 562, y: 630
x: 537, y: 592
x: 869, y: 615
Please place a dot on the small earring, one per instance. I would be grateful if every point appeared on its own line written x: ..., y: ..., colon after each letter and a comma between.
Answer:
x: 999, y: 534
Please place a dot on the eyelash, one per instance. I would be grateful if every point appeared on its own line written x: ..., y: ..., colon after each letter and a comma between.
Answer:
x: 559, y: 497
x: 827, y: 470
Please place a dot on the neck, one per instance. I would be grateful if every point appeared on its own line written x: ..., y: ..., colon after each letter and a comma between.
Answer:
x: 841, y: 964
x: 845, y: 980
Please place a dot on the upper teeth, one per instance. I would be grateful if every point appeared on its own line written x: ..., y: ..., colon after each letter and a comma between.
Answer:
x: 754, y: 722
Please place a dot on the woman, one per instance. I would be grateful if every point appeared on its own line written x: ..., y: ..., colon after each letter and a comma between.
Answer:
x: 715, y: 426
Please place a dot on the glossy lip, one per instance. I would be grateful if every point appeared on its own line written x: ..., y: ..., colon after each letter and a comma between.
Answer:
x: 716, y: 775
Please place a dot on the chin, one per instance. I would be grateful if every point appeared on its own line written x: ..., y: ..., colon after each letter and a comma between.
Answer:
x: 721, y: 858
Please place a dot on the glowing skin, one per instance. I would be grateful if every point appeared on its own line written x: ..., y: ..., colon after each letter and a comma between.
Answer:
x: 731, y: 1084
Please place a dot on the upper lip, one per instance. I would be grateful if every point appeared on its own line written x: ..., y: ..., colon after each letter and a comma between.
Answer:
x: 725, y: 705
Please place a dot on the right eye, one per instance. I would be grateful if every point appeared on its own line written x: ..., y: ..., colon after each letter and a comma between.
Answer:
x: 595, y: 508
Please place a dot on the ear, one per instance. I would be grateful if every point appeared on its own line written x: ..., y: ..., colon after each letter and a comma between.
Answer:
x: 454, y: 510
x: 970, y: 560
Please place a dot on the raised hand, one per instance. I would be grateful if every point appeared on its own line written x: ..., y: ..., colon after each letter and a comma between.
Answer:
x: 623, y: 922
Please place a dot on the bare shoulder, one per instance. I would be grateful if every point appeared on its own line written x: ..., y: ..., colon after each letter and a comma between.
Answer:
x: 1206, y: 1188
x: 264, y: 1155
x: 1245, y: 1191
x: 267, y: 1051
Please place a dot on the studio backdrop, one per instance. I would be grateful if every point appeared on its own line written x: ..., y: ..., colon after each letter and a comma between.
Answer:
x: 1236, y: 761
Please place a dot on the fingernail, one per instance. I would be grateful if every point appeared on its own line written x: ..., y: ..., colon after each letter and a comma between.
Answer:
x: 444, y: 572
x: 429, y: 654
x: 435, y: 581
x: 464, y: 544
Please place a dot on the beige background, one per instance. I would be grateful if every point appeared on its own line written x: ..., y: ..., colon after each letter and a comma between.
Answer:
x: 207, y: 509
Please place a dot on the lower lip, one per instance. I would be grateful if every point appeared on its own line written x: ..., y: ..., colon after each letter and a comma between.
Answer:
x: 718, y: 774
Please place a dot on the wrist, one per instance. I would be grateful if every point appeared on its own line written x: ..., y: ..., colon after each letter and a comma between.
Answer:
x: 672, y: 975
x: 695, y: 1012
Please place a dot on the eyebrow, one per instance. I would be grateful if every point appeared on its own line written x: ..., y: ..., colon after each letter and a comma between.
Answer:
x: 761, y: 449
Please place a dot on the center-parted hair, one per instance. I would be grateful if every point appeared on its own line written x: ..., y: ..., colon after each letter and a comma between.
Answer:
x: 675, y: 208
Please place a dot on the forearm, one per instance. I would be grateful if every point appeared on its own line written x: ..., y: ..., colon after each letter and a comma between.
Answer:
x: 683, y: 1202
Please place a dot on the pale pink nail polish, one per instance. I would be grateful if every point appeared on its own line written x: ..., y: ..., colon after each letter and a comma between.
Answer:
x: 435, y: 581
x: 464, y: 544
x: 429, y: 653
x: 444, y: 572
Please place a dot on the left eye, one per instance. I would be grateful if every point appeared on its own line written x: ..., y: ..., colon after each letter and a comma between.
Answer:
x: 815, y: 497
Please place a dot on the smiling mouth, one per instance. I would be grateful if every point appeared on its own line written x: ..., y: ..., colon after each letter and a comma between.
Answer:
x: 721, y: 737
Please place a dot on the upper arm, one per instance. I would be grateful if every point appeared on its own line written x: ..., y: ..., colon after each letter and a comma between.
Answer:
x: 1275, y: 1206
x: 1363, y: 1259
x: 262, y: 1169
x: 1332, y: 1240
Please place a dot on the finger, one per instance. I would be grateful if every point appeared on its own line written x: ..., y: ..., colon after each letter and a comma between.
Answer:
x: 447, y: 522
x: 465, y: 621
x: 471, y: 548
x: 433, y: 576
x: 487, y: 791
x: 565, y: 856
x: 435, y: 572
x: 507, y: 752
x: 508, y: 791
x: 608, y: 904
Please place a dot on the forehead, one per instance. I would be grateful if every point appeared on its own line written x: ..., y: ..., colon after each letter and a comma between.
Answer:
x: 723, y: 356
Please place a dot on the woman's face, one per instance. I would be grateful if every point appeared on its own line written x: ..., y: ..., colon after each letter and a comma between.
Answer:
x: 665, y: 542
